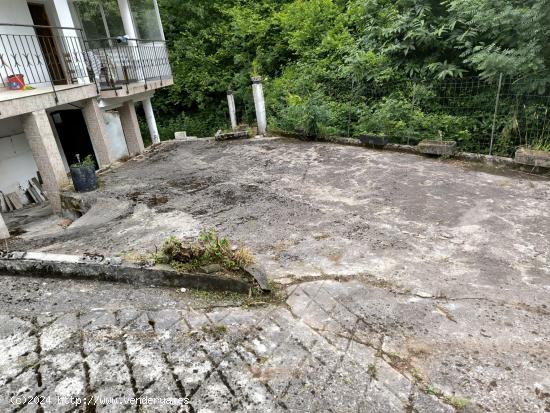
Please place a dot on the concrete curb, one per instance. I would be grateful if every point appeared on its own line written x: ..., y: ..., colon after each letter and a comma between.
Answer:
x: 491, y: 160
x: 99, y: 268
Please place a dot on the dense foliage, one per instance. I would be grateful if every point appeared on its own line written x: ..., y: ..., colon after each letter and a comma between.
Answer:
x: 350, y: 67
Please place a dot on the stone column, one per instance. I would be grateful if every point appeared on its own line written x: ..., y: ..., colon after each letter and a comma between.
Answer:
x: 98, y: 131
x: 259, y: 104
x: 232, y: 110
x: 151, y: 121
x: 130, y: 126
x: 4, y: 233
x: 46, y: 155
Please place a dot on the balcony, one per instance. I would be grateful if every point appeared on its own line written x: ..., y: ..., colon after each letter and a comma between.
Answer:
x: 119, y: 62
x: 52, y: 59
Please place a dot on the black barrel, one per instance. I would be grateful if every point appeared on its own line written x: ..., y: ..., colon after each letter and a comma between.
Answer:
x: 84, y: 178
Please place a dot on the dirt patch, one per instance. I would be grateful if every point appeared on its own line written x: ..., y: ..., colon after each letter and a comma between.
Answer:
x: 191, y: 185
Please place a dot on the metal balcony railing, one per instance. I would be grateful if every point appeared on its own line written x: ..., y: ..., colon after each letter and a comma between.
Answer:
x: 41, y: 56
x: 118, y: 61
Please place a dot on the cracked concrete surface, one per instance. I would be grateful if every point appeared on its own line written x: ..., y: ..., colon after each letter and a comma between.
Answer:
x: 327, y: 349
x: 412, y: 284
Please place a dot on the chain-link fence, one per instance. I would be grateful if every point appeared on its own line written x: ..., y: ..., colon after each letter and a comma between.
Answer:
x: 490, y: 117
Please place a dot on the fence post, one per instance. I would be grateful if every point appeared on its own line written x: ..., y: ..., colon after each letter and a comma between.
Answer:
x: 495, y: 115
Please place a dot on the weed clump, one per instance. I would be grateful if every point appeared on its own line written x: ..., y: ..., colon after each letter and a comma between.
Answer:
x: 458, y: 403
x: 209, y: 248
x: 372, y: 371
x: 216, y: 331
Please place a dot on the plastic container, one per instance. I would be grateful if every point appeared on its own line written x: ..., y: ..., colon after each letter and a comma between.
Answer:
x: 16, y: 82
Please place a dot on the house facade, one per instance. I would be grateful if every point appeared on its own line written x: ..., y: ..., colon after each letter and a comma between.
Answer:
x: 71, y: 73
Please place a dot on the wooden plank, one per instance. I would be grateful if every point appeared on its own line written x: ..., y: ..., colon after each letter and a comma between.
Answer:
x: 35, y: 193
x: 27, y: 198
x: 3, y: 206
x: 38, y: 188
x: 8, y: 203
x: 36, y: 183
x: 32, y: 195
x: 15, y: 200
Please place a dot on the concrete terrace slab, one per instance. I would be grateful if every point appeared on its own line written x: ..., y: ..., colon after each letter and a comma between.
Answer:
x: 313, y: 210
x: 412, y: 284
x: 18, y: 102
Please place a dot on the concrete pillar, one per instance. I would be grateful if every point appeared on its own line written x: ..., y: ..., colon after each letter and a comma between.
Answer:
x: 4, y: 233
x: 130, y: 126
x: 157, y: 12
x: 259, y: 104
x: 151, y: 121
x: 98, y: 131
x: 232, y: 110
x: 127, y: 20
x: 46, y: 154
x: 132, y: 33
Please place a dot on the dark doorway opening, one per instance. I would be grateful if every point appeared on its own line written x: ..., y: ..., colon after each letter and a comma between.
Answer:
x: 73, y: 135
x: 47, y: 42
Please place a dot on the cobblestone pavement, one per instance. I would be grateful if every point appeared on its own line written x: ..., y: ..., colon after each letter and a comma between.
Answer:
x: 330, y: 346
x: 412, y: 284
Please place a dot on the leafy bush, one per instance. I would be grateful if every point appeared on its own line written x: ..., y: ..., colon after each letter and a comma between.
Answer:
x: 308, y: 116
x: 392, y: 117
x: 346, y: 67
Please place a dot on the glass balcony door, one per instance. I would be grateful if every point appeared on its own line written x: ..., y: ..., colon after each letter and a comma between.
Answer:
x: 47, y: 42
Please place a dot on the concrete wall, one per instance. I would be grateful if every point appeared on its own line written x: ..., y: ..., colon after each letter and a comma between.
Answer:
x: 115, y: 135
x: 17, y: 164
x: 15, y: 12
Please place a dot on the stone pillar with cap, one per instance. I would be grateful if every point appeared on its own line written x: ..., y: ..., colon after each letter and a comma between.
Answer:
x: 232, y: 109
x: 259, y: 104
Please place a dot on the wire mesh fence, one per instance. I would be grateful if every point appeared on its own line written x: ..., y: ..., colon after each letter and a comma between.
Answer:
x: 482, y: 116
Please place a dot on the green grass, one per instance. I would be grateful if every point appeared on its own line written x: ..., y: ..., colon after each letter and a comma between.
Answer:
x: 217, y: 331
x: 458, y: 403
x: 208, y: 249
x: 541, y: 145
x: 372, y: 371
